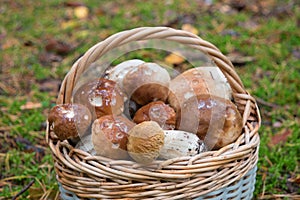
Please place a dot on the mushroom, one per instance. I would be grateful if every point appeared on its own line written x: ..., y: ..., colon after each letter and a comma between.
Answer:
x: 69, y: 120
x: 159, y: 112
x: 181, y: 143
x: 196, y: 81
x: 109, y: 136
x: 147, y: 82
x: 85, y: 144
x: 145, y: 141
x: 215, y: 120
x: 130, y: 108
x: 101, y: 96
x: 118, y: 72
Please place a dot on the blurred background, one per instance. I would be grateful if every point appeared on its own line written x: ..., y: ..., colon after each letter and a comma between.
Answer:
x: 40, y: 40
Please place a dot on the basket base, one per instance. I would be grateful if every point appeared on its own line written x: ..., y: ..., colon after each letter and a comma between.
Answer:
x: 242, y: 189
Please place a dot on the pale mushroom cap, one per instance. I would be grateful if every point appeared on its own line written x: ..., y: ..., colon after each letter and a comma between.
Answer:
x: 145, y: 142
x: 118, y: 72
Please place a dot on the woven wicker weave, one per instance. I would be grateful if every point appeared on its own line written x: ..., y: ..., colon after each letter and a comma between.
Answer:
x: 200, y: 176
x: 242, y: 189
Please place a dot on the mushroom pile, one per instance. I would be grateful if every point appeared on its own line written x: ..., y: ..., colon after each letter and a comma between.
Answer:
x: 137, y: 111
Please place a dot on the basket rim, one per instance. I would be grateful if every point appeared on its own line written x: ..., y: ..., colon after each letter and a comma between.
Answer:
x: 245, y: 148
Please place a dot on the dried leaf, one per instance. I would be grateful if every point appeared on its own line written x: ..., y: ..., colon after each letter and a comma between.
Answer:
x: 174, y: 58
x: 81, y: 12
x: 10, y: 42
x: 238, y: 58
x: 190, y: 28
x: 295, y: 179
x: 181, y: 19
x: 30, y: 105
x: 47, y: 58
x: 71, y: 24
x: 250, y: 25
x: 280, y: 137
x: 58, y: 47
x: 73, y: 4
x: 49, y: 85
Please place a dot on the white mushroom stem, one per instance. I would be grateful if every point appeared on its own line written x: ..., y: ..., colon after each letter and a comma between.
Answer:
x: 180, y: 143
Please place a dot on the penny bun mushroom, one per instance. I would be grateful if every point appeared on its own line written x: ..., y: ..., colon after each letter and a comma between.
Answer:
x: 147, y: 82
x: 145, y: 141
x: 69, y: 120
x: 196, y: 81
x: 101, y: 96
x: 159, y: 112
x: 181, y: 143
x: 109, y: 136
x: 118, y: 72
x: 215, y: 120
x: 85, y: 144
x: 130, y: 108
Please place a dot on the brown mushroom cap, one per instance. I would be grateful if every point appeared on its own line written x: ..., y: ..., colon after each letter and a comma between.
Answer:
x: 109, y: 136
x: 215, y: 120
x: 147, y: 82
x: 101, y: 96
x: 118, y: 72
x: 159, y: 112
x: 196, y: 81
x: 69, y: 120
x: 145, y: 141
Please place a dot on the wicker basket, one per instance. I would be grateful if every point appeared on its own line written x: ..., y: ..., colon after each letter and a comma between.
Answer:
x: 226, y: 173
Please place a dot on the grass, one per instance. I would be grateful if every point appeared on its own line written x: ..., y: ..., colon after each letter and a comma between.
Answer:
x: 270, y: 35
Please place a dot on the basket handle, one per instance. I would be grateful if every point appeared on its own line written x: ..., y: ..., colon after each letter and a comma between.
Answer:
x: 144, y: 33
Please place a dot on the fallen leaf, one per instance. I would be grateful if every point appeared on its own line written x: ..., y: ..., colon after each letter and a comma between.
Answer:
x: 280, y: 137
x: 30, y: 105
x: 73, y: 4
x: 190, y: 28
x: 46, y: 58
x: 71, y: 24
x: 36, y: 193
x: 250, y: 25
x: 226, y: 9
x: 181, y: 19
x: 174, y: 58
x: 295, y: 179
x: 49, y: 85
x: 58, y: 47
x: 10, y: 42
x: 218, y: 27
x: 82, y: 34
x: 238, y: 58
x: 81, y: 12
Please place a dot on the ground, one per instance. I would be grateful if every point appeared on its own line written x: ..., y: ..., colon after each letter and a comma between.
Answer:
x: 40, y: 40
